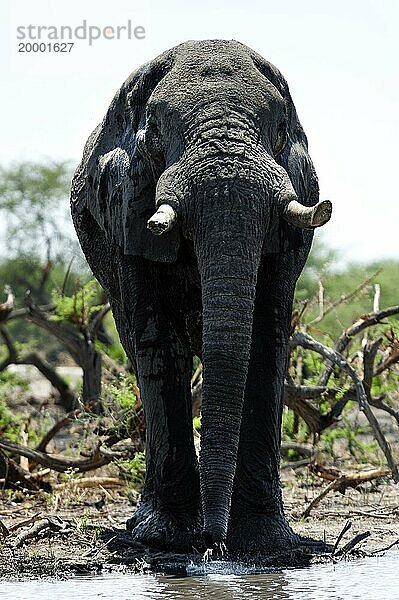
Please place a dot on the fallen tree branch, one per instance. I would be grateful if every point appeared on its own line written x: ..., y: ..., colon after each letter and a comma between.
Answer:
x: 386, y: 548
x: 23, y: 523
x: 89, y: 482
x: 59, y: 464
x: 339, y: 481
x: 353, y: 478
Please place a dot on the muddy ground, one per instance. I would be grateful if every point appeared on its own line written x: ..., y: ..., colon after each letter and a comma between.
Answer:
x: 84, y: 527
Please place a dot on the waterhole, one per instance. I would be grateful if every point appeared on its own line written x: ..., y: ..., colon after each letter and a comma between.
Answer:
x: 375, y: 578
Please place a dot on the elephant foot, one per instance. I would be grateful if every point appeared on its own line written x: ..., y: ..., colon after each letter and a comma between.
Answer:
x: 268, y: 535
x: 160, y: 528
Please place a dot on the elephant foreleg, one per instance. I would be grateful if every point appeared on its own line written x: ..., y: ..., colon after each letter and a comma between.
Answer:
x: 168, y: 513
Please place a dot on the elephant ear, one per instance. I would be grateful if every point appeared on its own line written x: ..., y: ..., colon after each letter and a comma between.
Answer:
x: 294, y: 158
x: 113, y: 181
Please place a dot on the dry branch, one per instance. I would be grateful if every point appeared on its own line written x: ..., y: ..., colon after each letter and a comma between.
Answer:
x: 68, y: 398
x: 339, y: 481
x: 12, y: 351
x: 196, y: 397
x: 354, y: 477
x: 196, y: 374
x: 306, y: 341
x: 365, y: 321
x: 344, y: 530
x: 23, y: 523
x: 296, y: 464
x: 388, y: 362
x: 385, y: 549
x: 379, y: 403
x: 46, y: 524
x: 369, y: 355
x: 334, y: 485
x: 298, y: 398
x: 4, y: 530
x: 90, y: 482
x: 352, y: 543
x: 57, y: 463
x: 7, y: 306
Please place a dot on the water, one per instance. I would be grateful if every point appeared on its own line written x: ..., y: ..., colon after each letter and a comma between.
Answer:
x: 374, y: 578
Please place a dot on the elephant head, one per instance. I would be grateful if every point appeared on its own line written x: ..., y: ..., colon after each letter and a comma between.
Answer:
x: 204, y: 143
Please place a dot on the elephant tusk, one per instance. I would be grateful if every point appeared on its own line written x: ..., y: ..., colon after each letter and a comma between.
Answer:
x: 163, y: 220
x: 308, y: 216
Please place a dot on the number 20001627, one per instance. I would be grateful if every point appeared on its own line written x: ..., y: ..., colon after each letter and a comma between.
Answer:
x: 45, y: 47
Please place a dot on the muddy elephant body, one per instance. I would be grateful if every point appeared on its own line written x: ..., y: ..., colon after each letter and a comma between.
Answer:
x: 194, y: 204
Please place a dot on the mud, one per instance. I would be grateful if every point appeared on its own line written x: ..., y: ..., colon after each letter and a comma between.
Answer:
x: 89, y: 535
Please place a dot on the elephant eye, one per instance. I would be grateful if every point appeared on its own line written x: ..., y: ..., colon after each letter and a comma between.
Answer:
x: 149, y: 142
x: 281, y: 139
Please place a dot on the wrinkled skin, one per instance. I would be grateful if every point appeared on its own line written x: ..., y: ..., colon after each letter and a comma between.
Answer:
x: 208, y: 128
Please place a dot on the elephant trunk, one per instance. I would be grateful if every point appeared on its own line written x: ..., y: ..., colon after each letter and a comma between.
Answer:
x: 228, y: 273
x: 228, y: 222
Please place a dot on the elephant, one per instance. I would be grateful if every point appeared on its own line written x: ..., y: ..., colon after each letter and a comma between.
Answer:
x: 195, y: 204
